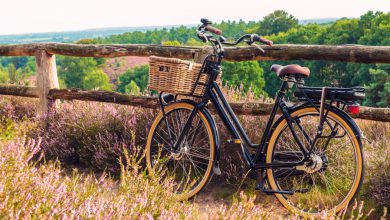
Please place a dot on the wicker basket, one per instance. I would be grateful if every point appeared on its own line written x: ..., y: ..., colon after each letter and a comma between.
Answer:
x: 176, y: 76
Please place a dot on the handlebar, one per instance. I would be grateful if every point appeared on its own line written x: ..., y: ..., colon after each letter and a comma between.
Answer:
x: 213, y: 29
x: 206, y: 26
x: 257, y: 38
x: 252, y: 39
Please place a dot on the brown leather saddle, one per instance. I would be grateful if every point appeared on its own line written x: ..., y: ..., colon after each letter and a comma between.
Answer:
x: 292, y: 69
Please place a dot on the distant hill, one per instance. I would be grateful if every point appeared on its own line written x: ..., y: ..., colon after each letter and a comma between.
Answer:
x: 318, y: 21
x: 71, y: 36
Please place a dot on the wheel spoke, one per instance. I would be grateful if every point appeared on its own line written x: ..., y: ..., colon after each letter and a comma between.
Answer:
x: 326, y: 186
x: 191, y: 163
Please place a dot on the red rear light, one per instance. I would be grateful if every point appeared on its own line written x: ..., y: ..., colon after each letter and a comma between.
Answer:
x: 354, y: 109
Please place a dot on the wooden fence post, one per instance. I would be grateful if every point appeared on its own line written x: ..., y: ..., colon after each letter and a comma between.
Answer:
x: 46, y: 80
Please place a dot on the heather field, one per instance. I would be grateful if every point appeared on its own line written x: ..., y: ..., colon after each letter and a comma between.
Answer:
x: 86, y: 162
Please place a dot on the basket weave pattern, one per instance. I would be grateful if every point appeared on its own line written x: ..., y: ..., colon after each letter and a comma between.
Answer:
x: 176, y: 76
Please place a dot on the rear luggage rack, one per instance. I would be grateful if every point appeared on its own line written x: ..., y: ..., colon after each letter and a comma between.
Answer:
x: 337, y: 94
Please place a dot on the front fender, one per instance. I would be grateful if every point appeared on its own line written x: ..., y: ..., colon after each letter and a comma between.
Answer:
x: 214, y: 130
x: 217, y: 143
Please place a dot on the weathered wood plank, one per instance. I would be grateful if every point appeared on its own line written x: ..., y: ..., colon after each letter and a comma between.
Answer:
x: 375, y: 114
x: 247, y: 108
x: 15, y: 90
x: 104, y: 96
x: 348, y: 53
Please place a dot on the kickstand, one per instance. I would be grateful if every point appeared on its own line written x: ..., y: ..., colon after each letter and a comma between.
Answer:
x: 261, y: 180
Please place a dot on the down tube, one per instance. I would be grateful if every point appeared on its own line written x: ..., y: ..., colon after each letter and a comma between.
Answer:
x: 230, y: 112
x: 228, y: 124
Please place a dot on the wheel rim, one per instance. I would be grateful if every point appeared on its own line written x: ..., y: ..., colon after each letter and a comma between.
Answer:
x: 330, y: 179
x: 190, y: 166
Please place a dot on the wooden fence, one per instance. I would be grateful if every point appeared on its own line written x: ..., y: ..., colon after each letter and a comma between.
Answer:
x: 48, y: 91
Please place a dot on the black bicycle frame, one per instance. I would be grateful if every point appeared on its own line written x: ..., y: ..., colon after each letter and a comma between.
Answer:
x: 214, y: 94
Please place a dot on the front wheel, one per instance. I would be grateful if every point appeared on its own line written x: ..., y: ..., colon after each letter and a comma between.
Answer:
x: 332, y: 176
x: 190, y: 166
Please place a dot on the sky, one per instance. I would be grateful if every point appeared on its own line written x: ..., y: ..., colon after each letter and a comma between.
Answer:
x: 34, y: 16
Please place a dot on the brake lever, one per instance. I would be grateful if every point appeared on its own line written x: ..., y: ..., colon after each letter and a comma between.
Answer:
x: 202, y: 36
x: 258, y: 47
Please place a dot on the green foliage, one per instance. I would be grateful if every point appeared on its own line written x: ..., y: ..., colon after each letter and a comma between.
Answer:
x: 3, y: 75
x: 277, y: 21
x: 84, y: 73
x: 194, y: 42
x: 375, y: 28
x: 171, y: 43
x: 378, y: 91
x: 249, y: 74
x: 371, y: 29
x: 132, y: 88
x: 97, y: 79
x: 12, y: 73
x: 138, y: 74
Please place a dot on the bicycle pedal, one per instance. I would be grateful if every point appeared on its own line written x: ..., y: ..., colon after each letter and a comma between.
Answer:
x: 288, y: 192
x: 234, y: 141
x: 271, y: 192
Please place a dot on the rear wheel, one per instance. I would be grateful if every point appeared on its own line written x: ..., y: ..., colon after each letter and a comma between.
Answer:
x: 190, y: 166
x: 332, y: 176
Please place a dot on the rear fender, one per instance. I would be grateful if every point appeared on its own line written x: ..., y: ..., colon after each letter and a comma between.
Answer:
x: 343, y: 115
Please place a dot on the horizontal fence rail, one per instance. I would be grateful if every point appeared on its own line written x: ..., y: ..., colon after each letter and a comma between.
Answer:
x: 240, y: 108
x: 48, y: 91
x: 348, y: 53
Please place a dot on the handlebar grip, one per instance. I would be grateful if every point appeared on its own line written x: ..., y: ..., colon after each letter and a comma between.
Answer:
x: 262, y: 40
x: 213, y: 30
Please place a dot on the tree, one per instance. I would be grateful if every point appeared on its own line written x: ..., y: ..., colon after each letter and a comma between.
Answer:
x: 132, y: 88
x: 3, y: 75
x: 277, y: 21
x: 97, y: 79
x: 138, y: 74
x: 378, y: 91
x: 73, y: 70
x: 12, y: 73
x: 249, y: 74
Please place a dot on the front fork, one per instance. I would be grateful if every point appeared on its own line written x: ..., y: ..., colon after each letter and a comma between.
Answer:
x: 175, y: 145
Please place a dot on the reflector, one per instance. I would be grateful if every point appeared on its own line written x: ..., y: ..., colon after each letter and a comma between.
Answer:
x: 354, y: 109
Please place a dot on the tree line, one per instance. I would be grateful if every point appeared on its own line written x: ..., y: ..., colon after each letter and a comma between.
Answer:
x: 372, y: 28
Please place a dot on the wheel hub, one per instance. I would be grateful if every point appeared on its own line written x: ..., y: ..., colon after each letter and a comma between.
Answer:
x: 313, y: 165
x: 179, y: 154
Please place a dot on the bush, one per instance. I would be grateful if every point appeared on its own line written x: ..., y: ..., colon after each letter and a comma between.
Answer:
x: 377, y: 160
x: 94, y: 134
x: 14, y: 116
x: 31, y: 190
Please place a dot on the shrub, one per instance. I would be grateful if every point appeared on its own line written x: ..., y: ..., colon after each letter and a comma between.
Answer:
x: 377, y: 160
x: 31, y: 190
x: 93, y: 134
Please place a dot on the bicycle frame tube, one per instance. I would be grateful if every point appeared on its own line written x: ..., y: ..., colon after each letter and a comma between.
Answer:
x: 234, y: 126
x: 214, y: 94
x: 237, y: 131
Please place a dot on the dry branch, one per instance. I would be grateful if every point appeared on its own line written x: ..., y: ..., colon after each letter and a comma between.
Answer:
x: 349, y: 53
